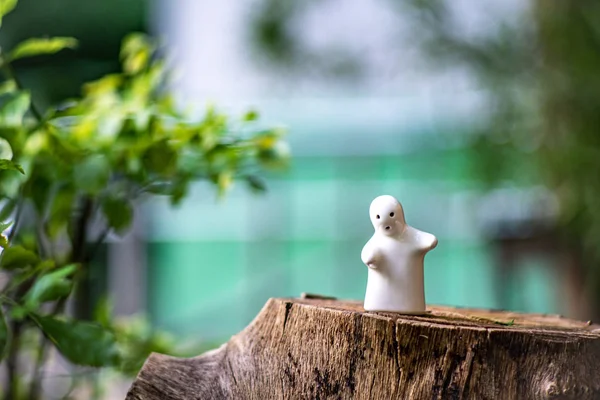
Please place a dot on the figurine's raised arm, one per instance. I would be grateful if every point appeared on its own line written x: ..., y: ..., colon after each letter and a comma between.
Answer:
x: 370, y: 255
x: 423, y: 241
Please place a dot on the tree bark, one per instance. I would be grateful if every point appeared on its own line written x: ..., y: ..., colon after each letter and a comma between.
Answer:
x: 329, y: 349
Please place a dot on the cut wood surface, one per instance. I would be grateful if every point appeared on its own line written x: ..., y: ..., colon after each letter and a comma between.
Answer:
x: 330, y: 349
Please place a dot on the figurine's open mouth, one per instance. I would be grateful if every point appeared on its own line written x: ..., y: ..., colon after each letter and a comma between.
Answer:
x: 387, y: 228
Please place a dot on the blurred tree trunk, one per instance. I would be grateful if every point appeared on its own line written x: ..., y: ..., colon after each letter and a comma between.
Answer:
x: 569, y: 50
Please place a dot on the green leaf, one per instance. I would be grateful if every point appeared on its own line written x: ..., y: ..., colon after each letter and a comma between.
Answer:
x: 256, y: 184
x: 39, y: 46
x: 49, y: 287
x: 8, y: 86
x: 251, y: 115
x: 104, y: 311
x: 11, y: 166
x: 3, y: 334
x: 7, y: 208
x: 35, y: 143
x: 6, y: 152
x: 39, y: 189
x: 20, y: 277
x: 160, y: 188
x: 13, y: 111
x: 82, y: 343
x: 5, y: 225
x: 224, y: 182
x: 17, y: 313
x: 179, y: 191
x: 160, y: 158
x: 6, y: 6
x: 118, y: 212
x: 60, y: 211
x: 135, y: 53
x: 18, y: 257
x: 92, y: 174
x: 276, y: 157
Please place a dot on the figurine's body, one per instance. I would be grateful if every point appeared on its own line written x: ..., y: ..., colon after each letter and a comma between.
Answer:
x: 395, y: 257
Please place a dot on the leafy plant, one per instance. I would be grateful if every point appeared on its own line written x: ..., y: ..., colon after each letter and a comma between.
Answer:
x: 84, y: 164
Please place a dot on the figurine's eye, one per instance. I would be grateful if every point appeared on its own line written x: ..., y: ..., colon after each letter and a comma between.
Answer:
x: 392, y: 214
x: 378, y: 216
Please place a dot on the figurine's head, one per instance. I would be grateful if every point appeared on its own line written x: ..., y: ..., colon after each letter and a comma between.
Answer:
x: 387, y: 215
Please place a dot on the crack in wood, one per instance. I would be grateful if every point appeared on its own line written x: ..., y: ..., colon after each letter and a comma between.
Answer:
x: 396, y: 346
x: 372, y: 383
x: 355, y: 353
x: 231, y: 371
x: 288, y: 307
x: 470, y: 361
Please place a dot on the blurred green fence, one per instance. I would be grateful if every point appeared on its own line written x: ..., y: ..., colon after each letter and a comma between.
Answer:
x: 213, y: 265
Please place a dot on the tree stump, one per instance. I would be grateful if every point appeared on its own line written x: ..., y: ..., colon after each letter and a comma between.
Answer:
x: 329, y: 349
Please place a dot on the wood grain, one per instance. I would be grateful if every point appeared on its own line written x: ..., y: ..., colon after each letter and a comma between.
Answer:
x: 330, y: 349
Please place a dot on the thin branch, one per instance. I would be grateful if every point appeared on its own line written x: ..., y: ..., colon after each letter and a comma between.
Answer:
x: 12, y: 366
x: 35, y: 385
x: 12, y: 360
x: 96, y: 246
x: 79, y: 239
x: 78, y: 254
x: 6, y: 299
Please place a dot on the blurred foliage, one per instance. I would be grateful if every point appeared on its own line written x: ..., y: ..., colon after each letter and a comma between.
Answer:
x: 539, y: 70
x: 503, y: 61
x: 541, y: 74
x: 274, y: 32
x: 271, y: 33
x: 99, y: 27
x: 71, y: 174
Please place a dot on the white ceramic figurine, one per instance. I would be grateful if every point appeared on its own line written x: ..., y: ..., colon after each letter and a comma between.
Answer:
x: 395, y: 257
